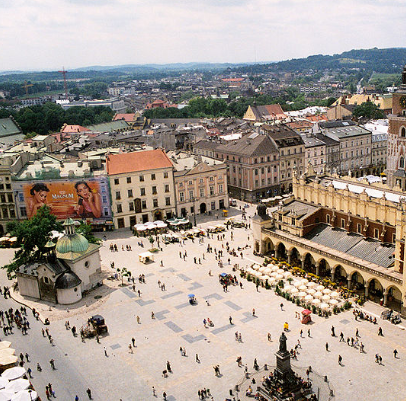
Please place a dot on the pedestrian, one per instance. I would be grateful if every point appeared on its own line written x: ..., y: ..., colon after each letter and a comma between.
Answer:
x: 380, y: 360
x: 164, y: 396
x: 105, y: 351
x: 133, y: 341
x: 168, y: 366
x: 376, y: 358
x: 76, y: 398
x: 130, y: 349
x: 340, y: 359
x: 281, y: 306
x: 52, y: 363
x: 27, y: 357
x: 152, y: 315
x: 301, y: 333
x: 356, y: 333
x: 380, y: 332
x: 253, y: 311
x: 29, y: 372
x: 327, y: 347
x: 395, y: 353
x: 138, y: 320
x: 269, y: 337
x: 230, y: 320
x: 197, y: 358
x: 89, y: 393
x: 308, y: 333
x: 333, y: 333
x: 239, y: 338
x: 153, y: 391
x: 342, y: 337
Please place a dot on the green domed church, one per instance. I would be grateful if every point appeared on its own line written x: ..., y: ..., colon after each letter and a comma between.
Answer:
x: 71, y: 268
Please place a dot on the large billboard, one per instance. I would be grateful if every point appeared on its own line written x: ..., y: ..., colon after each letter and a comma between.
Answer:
x: 79, y: 199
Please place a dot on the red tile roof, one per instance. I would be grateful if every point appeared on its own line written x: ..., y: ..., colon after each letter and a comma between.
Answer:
x: 129, y: 117
x: 70, y: 129
x: 232, y: 79
x: 137, y: 161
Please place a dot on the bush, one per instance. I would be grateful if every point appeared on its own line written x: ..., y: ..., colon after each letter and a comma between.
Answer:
x: 249, y: 277
x: 297, y: 301
x: 281, y: 284
x: 347, y: 305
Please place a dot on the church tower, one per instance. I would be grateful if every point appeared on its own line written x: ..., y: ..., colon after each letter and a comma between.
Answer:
x: 396, y: 168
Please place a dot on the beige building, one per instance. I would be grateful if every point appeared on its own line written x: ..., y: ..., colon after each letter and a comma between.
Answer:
x: 7, y: 204
x: 349, y: 231
x: 142, y: 187
x: 200, y: 184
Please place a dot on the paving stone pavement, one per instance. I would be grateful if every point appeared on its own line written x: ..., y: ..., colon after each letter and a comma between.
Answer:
x: 127, y: 376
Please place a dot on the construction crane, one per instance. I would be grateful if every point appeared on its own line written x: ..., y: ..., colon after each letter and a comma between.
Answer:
x: 26, y: 86
x: 63, y: 72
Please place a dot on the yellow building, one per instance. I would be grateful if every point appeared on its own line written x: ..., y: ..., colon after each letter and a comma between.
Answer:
x: 350, y: 231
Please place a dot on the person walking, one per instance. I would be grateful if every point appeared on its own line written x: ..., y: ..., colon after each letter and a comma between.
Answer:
x: 89, y: 393
x: 395, y: 353
x: 380, y: 333
x: 333, y: 333
x: 133, y: 341
x: 230, y: 320
x: 308, y: 333
x: 340, y: 360
x: 105, y: 351
x: 197, y: 358
x: 327, y: 347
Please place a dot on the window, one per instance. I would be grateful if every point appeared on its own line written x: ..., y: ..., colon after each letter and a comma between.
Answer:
x: 166, y: 175
x: 191, y: 195
x: 106, y: 211
x: 1, y: 186
x: 359, y: 228
x: 256, y: 171
x: 119, y: 208
x: 155, y: 202
x: 118, y: 195
x: 12, y: 213
x: 190, y: 182
x: 153, y: 177
x: 181, y: 196
x: 23, y: 211
x: 142, y: 191
x: 120, y: 223
x: 213, y: 205
x: 141, y: 178
x: 167, y: 201
x: 154, y: 191
x: 144, y: 204
x: 46, y: 280
x: 220, y: 188
x: 342, y: 223
x: 116, y: 181
x: 8, y: 186
x: 166, y: 188
x: 393, y: 237
x: 130, y: 193
x: 403, y: 132
x: 211, y: 191
x: 201, y: 181
x: 376, y: 233
x: 3, y: 198
x: 128, y: 180
x: 131, y: 206
x: 402, y: 162
x: 211, y: 178
x: 201, y: 192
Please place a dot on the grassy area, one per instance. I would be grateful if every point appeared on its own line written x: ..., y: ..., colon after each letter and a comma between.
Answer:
x: 39, y: 94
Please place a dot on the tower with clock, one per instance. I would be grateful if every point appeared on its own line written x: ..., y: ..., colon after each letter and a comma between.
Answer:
x: 396, y: 156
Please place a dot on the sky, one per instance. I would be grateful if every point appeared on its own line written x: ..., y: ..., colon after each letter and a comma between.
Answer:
x: 50, y: 34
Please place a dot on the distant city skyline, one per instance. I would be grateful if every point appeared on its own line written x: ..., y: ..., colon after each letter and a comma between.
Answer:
x: 49, y: 34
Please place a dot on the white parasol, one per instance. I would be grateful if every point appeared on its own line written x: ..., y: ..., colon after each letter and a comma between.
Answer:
x: 3, y: 382
x: 287, y: 288
x: 25, y: 395
x: 287, y: 274
x: 304, y: 281
x: 6, y: 395
x: 333, y: 302
x: 316, y: 301
x: 275, y: 268
x: 17, y: 385
x: 311, y: 284
x: 280, y: 271
x: 325, y: 298
x: 302, y: 288
x: 297, y: 284
x: 279, y: 277
x: 320, y: 288
x: 13, y: 373
x: 301, y: 294
x: 308, y: 298
x: 311, y: 291
x: 318, y: 294
x: 324, y: 306
x: 326, y: 291
x: 294, y: 291
x: 334, y: 294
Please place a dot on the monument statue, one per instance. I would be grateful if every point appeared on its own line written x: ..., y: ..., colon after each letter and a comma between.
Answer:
x: 282, y: 342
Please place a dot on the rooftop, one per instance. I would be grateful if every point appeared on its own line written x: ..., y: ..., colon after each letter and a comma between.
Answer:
x: 137, y: 161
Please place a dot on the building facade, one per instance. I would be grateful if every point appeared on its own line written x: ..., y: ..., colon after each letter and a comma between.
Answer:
x: 142, y: 187
x: 349, y: 231
x: 397, y: 137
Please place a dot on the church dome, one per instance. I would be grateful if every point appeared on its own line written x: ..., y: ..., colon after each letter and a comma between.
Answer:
x: 71, y: 241
x: 67, y: 280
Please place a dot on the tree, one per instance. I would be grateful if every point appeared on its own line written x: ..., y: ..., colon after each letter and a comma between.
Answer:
x: 33, y: 235
x: 368, y: 110
x: 86, y: 231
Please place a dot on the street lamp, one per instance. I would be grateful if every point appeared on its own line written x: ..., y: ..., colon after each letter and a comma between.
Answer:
x: 194, y: 210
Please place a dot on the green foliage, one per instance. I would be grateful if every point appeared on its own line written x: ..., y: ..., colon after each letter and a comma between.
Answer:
x: 368, y: 110
x: 347, y: 305
x: 50, y: 117
x: 32, y: 234
x: 86, y: 231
